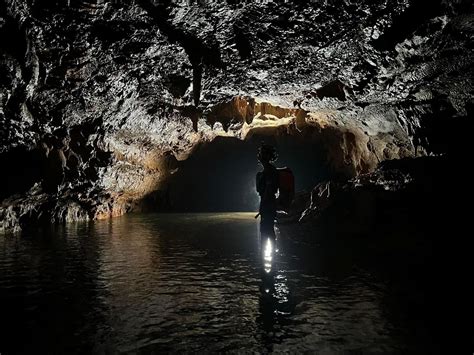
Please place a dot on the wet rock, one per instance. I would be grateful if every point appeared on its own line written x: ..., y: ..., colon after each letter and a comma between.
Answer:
x: 19, y: 211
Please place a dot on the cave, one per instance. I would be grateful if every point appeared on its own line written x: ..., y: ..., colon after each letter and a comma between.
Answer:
x: 131, y: 136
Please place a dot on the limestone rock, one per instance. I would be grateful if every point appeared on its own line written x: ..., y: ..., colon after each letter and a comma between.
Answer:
x: 95, y: 97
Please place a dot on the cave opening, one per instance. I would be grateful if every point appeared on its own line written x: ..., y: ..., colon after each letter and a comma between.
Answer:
x: 220, y: 175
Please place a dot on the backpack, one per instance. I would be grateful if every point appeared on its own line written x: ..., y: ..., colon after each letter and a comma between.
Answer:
x: 286, y: 187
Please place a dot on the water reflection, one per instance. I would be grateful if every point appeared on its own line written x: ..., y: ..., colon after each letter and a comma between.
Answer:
x: 274, y: 300
x: 50, y: 289
x: 268, y: 254
x: 184, y: 283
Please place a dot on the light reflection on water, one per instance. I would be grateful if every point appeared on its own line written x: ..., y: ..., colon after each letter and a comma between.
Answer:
x: 188, y: 282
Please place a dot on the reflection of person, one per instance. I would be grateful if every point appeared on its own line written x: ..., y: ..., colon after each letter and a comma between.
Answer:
x: 267, y: 187
x: 275, y: 303
x: 267, y: 317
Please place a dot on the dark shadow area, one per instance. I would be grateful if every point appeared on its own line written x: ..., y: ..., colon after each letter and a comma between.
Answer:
x: 220, y: 176
x: 13, y: 40
x: 54, y: 303
x: 417, y: 239
x: 407, y: 22
x: 21, y: 168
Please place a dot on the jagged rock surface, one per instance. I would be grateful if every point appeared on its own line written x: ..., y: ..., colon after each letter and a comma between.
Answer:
x: 100, y: 100
x: 419, y: 199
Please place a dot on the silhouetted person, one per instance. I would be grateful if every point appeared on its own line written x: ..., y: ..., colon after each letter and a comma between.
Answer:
x: 267, y: 187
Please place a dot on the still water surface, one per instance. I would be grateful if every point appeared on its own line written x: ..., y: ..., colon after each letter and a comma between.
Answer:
x: 186, y: 282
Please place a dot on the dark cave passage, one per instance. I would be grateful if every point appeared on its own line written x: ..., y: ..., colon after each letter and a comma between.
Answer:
x: 24, y: 168
x: 220, y: 176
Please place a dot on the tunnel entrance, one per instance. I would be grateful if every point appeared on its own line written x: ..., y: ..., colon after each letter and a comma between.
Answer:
x: 220, y: 175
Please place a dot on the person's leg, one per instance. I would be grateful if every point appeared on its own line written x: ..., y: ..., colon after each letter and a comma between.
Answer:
x: 267, y: 226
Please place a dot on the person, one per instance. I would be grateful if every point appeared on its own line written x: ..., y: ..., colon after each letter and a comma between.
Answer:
x: 267, y: 187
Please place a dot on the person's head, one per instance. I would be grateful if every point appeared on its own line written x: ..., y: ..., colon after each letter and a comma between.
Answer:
x: 267, y: 154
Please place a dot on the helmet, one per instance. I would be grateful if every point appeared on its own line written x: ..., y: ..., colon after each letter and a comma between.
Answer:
x: 267, y: 153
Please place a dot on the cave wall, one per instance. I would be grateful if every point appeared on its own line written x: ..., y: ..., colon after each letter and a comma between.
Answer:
x: 100, y: 100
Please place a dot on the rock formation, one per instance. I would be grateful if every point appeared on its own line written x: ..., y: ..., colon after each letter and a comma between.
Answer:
x: 101, y: 100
